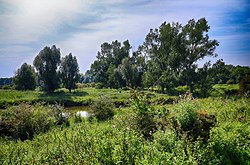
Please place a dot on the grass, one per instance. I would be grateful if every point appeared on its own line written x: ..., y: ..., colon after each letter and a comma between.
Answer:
x: 117, y: 142
x: 211, y: 130
x: 78, y: 97
x: 225, y: 89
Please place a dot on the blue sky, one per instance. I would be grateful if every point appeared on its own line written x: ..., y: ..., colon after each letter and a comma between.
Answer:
x: 81, y: 26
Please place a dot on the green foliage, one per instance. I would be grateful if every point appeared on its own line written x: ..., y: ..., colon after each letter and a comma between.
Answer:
x: 7, y: 87
x: 104, y: 68
x: 24, y: 121
x: 144, y: 115
x: 128, y: 72
x: 186, y: 116
x: 79, y: 97
x: 231, y: 143
x: 117, y: 142
x: 46, y: 63
x: 102, y: 109
x: 25, y: 78
x: 6, y: 81
x: 69, y: 72
x: 225, y: 90
x: 245, y: 86
x: 99, y: 85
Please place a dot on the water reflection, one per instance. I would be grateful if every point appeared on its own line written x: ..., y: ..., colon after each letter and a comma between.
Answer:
x: 83, y: 111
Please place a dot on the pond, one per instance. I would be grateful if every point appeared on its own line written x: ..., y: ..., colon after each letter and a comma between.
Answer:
x: 83, y: 111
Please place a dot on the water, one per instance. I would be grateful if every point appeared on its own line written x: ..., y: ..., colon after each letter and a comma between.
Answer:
x: 83, y: 111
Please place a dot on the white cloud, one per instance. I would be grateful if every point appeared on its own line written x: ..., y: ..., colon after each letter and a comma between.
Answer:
x: 35, y: 18
x: 33, y: 24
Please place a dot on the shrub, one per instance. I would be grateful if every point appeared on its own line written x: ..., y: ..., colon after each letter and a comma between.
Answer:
x: 231, y: 143
x: 102, y: 109
x: 188, y: 121
x: 144, y: 117
x: 245, y: 86
x: 62, y: 118
x: 24, y: 121
x: 186, y: 116
x: 99, y: 85
x: 7, y: 87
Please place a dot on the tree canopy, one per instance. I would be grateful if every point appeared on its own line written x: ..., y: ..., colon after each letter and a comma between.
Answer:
x: 69, y: 71
x: 25, y: 78
x: 46, y: 63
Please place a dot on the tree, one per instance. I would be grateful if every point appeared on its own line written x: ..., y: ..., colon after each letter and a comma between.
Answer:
x: 161, y: 47
x: 205, y: 82
x: 46, y: 63
x: 104, y: 68
x: 197, y: 46
x: 25, y: 78
x: 69, y: 72
x: 129, y: 72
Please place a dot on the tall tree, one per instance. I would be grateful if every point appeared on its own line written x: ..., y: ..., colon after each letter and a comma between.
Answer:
x: 161, y: 47
x: 46, y: 63
x: 25, y: 78
x: 197, y: 46
x: 104, y: 68
x: 129, y: 72
x: 69, y: 71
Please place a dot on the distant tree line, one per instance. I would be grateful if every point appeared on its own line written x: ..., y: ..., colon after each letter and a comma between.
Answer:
x: 6, y: 81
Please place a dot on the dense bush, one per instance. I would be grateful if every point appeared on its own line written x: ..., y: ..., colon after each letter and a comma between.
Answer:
x: 24, y: 121
x: 102, y: 109
x: 231, y: 143
x: 144, y: 118
x: 245, y: 86
x: 99, y: 85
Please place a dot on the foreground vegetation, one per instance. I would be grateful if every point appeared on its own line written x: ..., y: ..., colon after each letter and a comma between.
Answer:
x: 190, y: 131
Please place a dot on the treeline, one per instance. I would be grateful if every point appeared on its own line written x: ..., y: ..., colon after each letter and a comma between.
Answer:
x: 52, y: 71
x: 5, y: 81
x: 167, y: 59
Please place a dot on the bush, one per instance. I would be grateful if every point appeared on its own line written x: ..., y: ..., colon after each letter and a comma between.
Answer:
x: 231, y: 143
x: 188, y: 121
x: 99, y: 85
x: 7, y: 87
x: 186, y: 116
x: 245, y: 86
x: 102, y: 109
x: 144, y: 118
x: 24, y: 121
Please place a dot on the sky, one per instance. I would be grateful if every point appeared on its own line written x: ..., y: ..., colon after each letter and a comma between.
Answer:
x: 81, y: 26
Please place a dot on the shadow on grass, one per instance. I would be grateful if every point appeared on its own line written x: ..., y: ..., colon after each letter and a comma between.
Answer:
x: 64, y: 98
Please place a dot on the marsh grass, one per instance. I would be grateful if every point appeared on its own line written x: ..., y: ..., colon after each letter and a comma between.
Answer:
x: 117, y: 141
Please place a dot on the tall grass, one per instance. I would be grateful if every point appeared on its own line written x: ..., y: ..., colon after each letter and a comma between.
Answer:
x: 118, y: 141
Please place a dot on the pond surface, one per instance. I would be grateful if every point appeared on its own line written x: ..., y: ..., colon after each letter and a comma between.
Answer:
x: 83, y: 111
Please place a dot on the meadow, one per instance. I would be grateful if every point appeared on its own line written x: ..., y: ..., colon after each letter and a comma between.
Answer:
x: 147, y: 128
